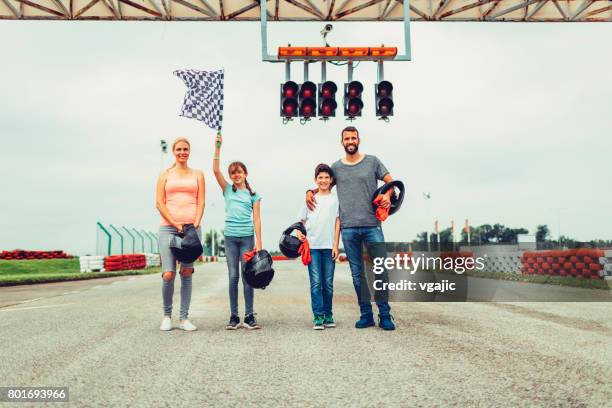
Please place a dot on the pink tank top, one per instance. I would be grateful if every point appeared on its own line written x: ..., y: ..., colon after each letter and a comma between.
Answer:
x: 181, y: 199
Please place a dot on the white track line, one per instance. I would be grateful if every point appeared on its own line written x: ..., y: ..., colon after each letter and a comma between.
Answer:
x: 34, y: 307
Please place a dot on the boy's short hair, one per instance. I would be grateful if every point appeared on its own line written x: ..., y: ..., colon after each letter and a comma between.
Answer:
x: 348, y: 129
x: 324, y: 168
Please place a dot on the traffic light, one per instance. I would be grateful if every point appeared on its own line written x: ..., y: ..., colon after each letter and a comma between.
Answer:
x: 352, y: 99
x: 383, y: 94
x: 327, y: 99
x: 308, y: 105
x: 289, y: 99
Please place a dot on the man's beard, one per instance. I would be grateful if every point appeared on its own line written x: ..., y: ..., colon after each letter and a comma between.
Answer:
x: 349, y: 146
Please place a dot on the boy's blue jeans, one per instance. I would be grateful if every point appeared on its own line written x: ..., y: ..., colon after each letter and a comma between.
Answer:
x: 353, y: 239
x: 321, y: 270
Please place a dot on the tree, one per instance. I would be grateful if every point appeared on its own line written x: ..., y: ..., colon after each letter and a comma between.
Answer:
x: 542, y: 233
x: 421, y: 237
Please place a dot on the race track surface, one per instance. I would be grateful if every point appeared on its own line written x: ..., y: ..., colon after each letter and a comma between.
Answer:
x: 101, y: 339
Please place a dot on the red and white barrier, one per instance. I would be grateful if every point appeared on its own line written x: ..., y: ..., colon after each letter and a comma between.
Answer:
x: 22, y: 254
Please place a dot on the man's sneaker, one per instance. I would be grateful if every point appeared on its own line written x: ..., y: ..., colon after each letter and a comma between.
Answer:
x: 234, y: 323
x: 166, y: 324
x: 365, y: 321
x: 187, y: 326
x: 318, y: 323
x: 250, y: 322
x: 385, y: 322
x: 328, y: 321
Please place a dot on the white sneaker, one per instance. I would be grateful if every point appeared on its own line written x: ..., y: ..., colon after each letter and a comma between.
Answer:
x: 166, y: 324
x: 187, y: 326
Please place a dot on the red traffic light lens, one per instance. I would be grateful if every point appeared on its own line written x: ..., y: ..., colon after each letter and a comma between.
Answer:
x: 307, y: 108
x: 385, y: 106
x: 289, y: 108
x: 354, y: 106
x: 384, y: 89
x: 355, y: 89
x: 328, y: 89
x: 328, y: 107
x: 290, y: 89
x: 308, y: 90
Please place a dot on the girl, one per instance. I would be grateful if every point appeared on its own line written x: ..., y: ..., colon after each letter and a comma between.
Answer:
x: 242, y: 220
x: 180, y: 200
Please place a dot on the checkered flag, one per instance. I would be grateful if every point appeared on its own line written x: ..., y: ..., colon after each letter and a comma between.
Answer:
x: 204, y: 96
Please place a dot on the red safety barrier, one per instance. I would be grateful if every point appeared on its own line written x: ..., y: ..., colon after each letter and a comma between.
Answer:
x: 280, y: 258
x: 125, y: 262
x: 22, y: 254
x: 580, y: 263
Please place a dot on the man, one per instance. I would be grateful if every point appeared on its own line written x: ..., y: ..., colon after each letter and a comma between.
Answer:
x: 357, y: 177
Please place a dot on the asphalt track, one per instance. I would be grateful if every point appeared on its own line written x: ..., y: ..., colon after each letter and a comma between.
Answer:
x: 101, y: 339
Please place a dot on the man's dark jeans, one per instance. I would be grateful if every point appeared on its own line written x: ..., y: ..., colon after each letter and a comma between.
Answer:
x: 353, y: 240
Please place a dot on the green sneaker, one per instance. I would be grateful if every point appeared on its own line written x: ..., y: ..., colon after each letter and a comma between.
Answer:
x: 318, y: 323
x: 328, y: 321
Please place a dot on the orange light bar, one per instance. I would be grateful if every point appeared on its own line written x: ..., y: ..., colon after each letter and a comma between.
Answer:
x: 354, y: 51
x: 291, y: 51
x: 383, y: 51
x: 323, y: 51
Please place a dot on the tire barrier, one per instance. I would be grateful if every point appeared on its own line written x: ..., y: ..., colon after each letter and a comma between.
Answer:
x: 509, y: 262
x: 606, y: 265
x: 152, y: 259
x: 22, y: 254
x: 89, y: 263
x: 125, y: 262
x: 585, y: 263
x: 281, y: 258
x: 207, y: 258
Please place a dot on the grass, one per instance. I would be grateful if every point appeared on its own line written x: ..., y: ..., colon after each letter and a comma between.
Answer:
x: 544, y: 279
x: 25, y: 272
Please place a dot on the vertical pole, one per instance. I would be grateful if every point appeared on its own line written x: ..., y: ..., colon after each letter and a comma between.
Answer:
x: 150, y: 241
x: 323, y: 71
x: 287, y: 71
x: 141, y: 238
x: 120, y: 236
x: 408, y: 50
x: 212, y: 242
x: 156, y: 240
x: 381, y: 71
x: 110, y: 238
x: 305, y: 71
x: 264, y: 31
x: 350, y: 71
x: 133, y: 239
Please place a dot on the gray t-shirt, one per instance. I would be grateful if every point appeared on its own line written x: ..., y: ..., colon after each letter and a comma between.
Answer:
x: 356, y: 183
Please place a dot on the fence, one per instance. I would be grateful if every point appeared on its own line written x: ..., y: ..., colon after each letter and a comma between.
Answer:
x: 115, y: 240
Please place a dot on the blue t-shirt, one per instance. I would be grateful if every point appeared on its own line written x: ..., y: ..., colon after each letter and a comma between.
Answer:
x: 239, y: 212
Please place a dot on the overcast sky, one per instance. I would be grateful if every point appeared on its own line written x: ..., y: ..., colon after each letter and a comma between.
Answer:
x: 501, y: 122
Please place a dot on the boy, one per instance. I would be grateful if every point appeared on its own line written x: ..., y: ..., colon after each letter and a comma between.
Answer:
x: 323, y: 232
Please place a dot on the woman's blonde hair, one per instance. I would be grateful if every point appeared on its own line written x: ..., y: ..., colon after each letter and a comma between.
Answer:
x: 177, y: 141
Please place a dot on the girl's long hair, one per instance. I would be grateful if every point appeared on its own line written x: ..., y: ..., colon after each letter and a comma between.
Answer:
x: 232, y: 168
x: 176, y: 141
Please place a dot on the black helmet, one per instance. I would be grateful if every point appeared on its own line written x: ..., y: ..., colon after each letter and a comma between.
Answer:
x: 396, y: 202
x: 186, y: 246
x: 290, y: 244
x: 258, y: 271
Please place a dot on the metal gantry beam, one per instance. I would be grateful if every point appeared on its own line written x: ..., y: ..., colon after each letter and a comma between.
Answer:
x: 309, y: 10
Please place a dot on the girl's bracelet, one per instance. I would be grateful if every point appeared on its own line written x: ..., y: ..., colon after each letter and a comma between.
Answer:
x: 216, y: 158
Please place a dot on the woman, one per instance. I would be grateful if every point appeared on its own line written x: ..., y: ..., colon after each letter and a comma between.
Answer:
x: 242, y: 233
x: 180, y: 200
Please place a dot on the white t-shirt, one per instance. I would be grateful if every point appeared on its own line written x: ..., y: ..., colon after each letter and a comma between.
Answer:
x: 321, y: 222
